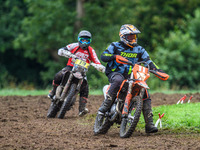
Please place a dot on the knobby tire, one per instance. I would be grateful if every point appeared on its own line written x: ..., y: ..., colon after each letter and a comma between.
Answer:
x: 68, y: 101
x: 101, y: 125
x: 125, y: 130
x: 53, y: 109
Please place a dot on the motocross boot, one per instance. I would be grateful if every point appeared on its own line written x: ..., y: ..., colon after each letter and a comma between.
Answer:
x: 148, y: 117
x: 106, y: 104
x: 53, y: 92
x: 82, y: 106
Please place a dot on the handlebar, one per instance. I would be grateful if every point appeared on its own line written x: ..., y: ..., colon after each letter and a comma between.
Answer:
x: 68, y: 54
x: 160, y: 75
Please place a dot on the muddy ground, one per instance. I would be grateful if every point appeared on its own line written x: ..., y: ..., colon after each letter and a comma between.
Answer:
x: 23, y: 125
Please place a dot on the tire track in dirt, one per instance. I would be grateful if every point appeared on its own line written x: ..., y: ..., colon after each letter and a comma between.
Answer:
x: 23, y: 125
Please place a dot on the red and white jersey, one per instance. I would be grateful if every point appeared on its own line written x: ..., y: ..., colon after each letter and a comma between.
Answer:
x: 83, y: 54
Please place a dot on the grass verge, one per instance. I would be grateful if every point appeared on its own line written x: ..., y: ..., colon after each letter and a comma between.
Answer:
x: 182, y: 118
x: 21, y: 92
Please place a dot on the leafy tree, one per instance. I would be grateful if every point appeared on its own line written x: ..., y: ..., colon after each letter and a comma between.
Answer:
x: 13, y: 66
x: 157, y: 18
x: 180, y: 55
x: 48, y: 26
x: 32, y: 31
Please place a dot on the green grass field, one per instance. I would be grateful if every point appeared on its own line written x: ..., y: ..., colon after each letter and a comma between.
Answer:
x: 19, y: 92
x: 6, y: 92
x: 182, y: 118
x: 178, y: 118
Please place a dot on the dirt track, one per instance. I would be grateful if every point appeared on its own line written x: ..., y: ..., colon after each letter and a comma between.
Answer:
x: 23, y: 125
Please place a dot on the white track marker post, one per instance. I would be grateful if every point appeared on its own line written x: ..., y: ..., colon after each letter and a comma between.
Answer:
x: 190, y: 99
x: 159, y: 120
x: 182, y: 99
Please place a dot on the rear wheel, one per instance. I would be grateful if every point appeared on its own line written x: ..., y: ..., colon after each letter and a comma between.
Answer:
x: 129, y: 123
x: 101, y: 125
x: 68, y: 101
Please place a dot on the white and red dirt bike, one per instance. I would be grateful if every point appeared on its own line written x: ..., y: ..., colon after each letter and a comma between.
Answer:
x: 127, y: 107
x: 65, y: 96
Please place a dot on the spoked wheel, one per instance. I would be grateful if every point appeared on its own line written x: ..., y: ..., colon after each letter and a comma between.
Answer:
x: 101, y: 125
x: 129, y: 123
x: 67, y: 104
x: 53, y: 109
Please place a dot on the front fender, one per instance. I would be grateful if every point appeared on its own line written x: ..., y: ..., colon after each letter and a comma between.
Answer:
x: 78, y: 75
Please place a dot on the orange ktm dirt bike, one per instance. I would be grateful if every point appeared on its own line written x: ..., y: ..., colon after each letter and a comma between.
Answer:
x: 126, y: 108
x: 65, y: 96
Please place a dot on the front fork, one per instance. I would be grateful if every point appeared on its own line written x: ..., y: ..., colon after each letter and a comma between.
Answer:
x: 63, y: 95
x: 127, y: 99
x: 78, y: 86
x: 68, y: 85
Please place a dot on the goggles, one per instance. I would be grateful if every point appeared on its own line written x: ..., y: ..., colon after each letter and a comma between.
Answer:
x: 84, y: 40
x: 130, y: 37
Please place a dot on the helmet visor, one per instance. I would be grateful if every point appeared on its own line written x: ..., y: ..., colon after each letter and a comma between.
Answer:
x: 130, y: 37
x: 84, y: 40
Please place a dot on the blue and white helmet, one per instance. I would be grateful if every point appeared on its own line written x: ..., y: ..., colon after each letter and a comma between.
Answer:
x: 128, y: 34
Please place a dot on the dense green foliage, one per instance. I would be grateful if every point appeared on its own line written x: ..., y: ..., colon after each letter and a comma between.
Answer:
x: 180, y: 54
x: 33, y: 31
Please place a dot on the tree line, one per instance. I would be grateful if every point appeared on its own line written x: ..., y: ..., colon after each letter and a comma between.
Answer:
x: 33, y: 31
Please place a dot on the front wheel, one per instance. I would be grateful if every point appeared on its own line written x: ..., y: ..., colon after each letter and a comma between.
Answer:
x: 129, y: 123
x: 102, y: 124
x: 53, y: 109
x: 68, y: 101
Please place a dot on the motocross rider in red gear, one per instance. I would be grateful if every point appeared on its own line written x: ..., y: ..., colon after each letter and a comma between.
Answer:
x: 83, y: 50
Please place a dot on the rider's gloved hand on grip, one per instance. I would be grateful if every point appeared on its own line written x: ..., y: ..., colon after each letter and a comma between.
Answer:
x: 100, y: 68
x: 120, y: 59
x: 63, y: 52
x: 161, y: 74
x: 159, y: 70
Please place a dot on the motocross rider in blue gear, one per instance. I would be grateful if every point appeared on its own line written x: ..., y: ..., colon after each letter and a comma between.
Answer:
x: 116, y: 72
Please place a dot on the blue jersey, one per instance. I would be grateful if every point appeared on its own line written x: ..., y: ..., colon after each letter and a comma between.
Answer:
x: 135, y: 54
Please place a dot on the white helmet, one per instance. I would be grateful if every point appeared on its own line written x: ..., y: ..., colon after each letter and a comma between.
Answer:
x: 128, y: 34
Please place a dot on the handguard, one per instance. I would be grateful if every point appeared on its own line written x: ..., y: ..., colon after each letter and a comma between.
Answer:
x: 121, y: 60
x: 63, y: 52
x: 66, y: 53
x: 161, y: 75
x: 99, y: 67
